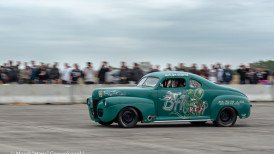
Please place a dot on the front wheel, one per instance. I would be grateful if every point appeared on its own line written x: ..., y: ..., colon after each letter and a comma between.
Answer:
x: 128, y: 118
x: 227, y: 117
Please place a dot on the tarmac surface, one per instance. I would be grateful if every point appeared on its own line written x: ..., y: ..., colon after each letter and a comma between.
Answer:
x: 67, y: 129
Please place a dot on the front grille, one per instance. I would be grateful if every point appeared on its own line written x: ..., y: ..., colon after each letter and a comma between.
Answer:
x: 95, y: 104
x: 100, y: 112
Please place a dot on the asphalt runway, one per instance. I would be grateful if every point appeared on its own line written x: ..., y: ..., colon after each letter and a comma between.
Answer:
x: 67, y: 129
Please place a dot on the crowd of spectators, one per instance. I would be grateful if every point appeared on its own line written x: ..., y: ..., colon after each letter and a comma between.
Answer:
x: 31, y: 73
x: 224, y: 74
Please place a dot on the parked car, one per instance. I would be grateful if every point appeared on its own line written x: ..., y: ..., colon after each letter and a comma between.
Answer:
x: 168, y: 96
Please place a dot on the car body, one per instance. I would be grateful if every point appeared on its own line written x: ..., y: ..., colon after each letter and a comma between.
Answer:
x: 168, y: 96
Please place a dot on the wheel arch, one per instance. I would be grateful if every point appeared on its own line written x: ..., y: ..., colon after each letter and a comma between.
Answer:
x: 240, y: 104
x: 144, y: 107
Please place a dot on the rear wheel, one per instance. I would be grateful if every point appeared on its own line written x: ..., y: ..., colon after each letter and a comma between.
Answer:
x: 105, y: 123
x: 128, y: 118
x: 227, y: 117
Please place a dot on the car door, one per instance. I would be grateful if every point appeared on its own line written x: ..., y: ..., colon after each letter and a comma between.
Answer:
x: 196, y: 106
x: 172, y: 94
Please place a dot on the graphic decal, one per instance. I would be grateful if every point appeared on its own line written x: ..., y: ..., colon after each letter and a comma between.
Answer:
x: 177, y: 74
x: 231, y: 102
x: 185, y: 104
x: 109, y: 93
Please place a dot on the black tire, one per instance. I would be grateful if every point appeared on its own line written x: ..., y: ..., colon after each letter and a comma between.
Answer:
x: 128, y: 117
x: 227, y: 117
x: 105, y: 123
x: 198, y: 123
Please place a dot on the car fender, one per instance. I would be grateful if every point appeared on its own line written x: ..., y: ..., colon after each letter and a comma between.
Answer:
x: 239, y: 103
x: 113, y: 105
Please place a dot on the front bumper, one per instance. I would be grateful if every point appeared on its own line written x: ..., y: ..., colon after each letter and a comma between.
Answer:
x: 91, y: 106
x: 98, y: 112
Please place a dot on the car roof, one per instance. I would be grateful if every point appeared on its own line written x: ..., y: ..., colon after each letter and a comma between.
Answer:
x: 179, y: 74
x: 204, y: 81
x: 169, y: 73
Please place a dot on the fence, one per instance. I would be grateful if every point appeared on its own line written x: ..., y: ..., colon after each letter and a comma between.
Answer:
x: 72, y: 94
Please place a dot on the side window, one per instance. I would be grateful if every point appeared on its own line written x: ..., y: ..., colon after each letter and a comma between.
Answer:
x: 195, y: 84
x: 174, y: 83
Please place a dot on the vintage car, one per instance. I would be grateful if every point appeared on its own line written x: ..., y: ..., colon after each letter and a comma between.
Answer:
x: 168, y: 97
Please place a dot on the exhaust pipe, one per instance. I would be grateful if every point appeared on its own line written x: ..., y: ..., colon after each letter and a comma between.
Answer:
x: 150, y: 117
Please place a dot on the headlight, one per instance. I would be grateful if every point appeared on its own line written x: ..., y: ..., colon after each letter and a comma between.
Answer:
x: 105, y: 103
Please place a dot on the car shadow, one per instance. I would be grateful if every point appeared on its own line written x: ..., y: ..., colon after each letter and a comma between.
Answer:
x: 171, y: 125
x: 181, y: 125
x: 158, y: 125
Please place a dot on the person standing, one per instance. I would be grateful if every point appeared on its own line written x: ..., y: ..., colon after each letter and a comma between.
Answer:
x: 54, y: 74
x: 272, y: 76
x: 213, y: 74
x: 242, y: 72
x: 13, y: 72
x: 124, y: 74
x: 1, y: 75
x: 193, y: 69
x: 181, y: 67
x: 168, y: 67
x: 155, y: 68
x: 109, y: 78
x: 102, y: 72
x: 227, y: 75
x: 34, y: 70
x: 89, y: 74
x: 65, y: 75
x: 42, y: 74
x: 250, y: 75
x: 76, y: 74
x: 265, y: 73
x: 26, y: 74
x: 204, y: 72
x: 220, y: 73
x: 137, y: 73
x: 17, y: 70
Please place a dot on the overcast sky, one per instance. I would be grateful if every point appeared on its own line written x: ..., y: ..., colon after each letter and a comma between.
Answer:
x: 159, y: 31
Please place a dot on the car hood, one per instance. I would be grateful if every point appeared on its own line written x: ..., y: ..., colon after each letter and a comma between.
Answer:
x: 101, y: 93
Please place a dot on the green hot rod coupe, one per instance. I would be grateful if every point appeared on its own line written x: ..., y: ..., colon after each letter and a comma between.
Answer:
x: 168, y: 96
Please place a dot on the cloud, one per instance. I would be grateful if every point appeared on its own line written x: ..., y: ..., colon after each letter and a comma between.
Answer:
x: 154, y: 30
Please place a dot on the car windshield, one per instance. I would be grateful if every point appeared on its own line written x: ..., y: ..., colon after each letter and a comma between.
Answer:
x: 148, y: 82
